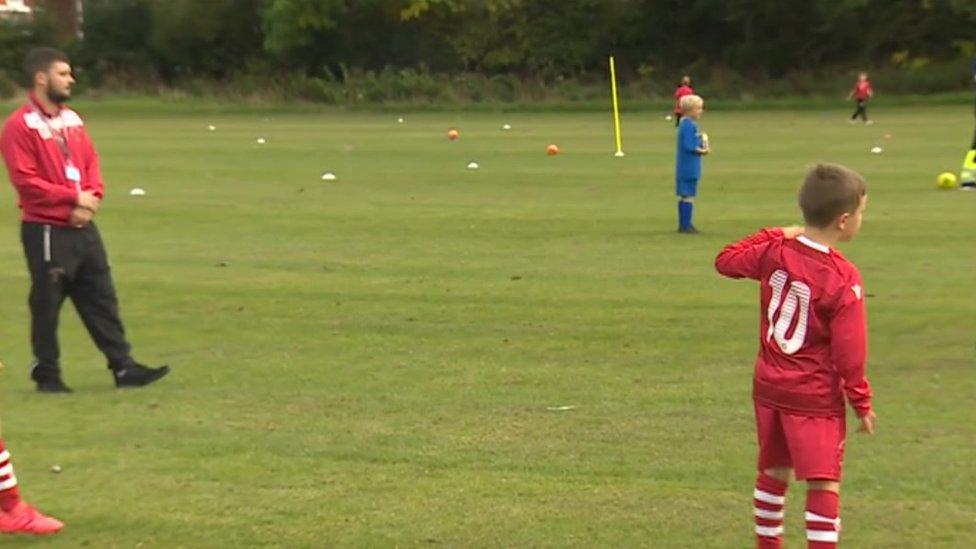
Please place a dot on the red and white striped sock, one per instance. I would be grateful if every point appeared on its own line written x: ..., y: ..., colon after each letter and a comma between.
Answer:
x: 768, y: 500
x: 822, y: 516
x: 9, y: 494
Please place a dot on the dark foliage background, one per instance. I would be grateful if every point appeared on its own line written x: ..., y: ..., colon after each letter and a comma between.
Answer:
x: 347, y: 51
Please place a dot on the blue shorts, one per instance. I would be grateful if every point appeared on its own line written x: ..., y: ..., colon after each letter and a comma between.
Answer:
x: 686, y: 187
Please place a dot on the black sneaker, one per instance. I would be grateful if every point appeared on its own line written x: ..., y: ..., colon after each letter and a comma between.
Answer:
x: 52, y: 386
x: 137, y: 375
x: 47, y: 382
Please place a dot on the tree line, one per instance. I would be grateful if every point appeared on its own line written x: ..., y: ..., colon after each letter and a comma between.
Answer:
x: 785, y: 45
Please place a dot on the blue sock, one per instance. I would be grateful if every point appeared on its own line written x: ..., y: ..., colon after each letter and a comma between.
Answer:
x: 684, y: 214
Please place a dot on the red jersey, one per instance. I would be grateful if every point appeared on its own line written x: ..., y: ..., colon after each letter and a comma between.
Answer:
x: 862, y: 90
x: 678, y: 94
x: 812, y: 329
x: 50, y: 160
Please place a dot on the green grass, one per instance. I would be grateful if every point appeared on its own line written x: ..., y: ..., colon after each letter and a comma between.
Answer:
x: 370, y: 362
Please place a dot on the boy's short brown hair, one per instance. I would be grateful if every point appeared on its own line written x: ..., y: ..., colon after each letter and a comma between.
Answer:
x: 828, y: 191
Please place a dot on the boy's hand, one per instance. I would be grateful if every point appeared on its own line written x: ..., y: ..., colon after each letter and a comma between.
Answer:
x: 792, y: 232
x: 867, y: 423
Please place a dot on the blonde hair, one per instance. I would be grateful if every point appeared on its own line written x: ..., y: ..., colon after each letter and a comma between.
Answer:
x: 688, y: 102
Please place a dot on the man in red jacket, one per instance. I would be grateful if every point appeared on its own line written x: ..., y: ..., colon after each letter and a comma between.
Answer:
x: 54, y: 169
x: 812, y: 352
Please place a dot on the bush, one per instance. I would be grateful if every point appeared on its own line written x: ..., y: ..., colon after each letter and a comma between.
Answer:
x: 422, y: 87
x: 8, y: 86
x: 316, y: 90
x: 16, y: 38
x: 504, y: 87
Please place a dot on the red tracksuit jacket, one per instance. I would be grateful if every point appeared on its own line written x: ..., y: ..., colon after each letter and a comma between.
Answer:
x: 37, y: 163
x: 812, y: 329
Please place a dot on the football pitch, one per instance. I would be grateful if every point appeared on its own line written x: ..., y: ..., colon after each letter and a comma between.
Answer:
x: 524, y: 355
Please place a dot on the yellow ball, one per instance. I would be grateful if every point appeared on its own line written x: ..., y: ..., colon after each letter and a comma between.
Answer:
x: 946, y: 180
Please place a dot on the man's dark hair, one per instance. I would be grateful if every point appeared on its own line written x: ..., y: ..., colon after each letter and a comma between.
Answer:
x: 40, y: 60
x: 829, y: 191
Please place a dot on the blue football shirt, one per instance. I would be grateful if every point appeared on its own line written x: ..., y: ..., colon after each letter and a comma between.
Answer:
x: 689, y: 162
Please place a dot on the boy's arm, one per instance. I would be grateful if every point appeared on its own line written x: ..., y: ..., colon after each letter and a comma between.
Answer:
x: 690, y: 142
x: 741, y: 259
x: 848, y: 347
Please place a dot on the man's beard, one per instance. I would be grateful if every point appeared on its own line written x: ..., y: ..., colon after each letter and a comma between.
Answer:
x: 58, y: 97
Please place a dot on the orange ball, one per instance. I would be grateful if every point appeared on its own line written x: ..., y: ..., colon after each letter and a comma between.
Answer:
x: 453, y: 134
x: 552, y: 150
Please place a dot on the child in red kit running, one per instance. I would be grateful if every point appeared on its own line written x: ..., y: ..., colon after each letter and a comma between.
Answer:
x: 812, y: 353
x: 681, y: 91
x: 861, y: 92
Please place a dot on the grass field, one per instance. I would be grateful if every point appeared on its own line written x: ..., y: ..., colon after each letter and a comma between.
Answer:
x: 371, y: 362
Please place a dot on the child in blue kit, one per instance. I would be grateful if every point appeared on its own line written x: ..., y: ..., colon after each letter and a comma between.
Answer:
x: 692, y: 145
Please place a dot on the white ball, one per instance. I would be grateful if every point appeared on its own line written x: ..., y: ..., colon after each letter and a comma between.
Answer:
x: 473, y: 165
x: 507, y: 127
x: 668, y: 117
x: 211, y: 127
x: 261, y: 141
x: 328, y: 176
x: 399, y: 120
x: 877, y: 150
x: 137, y: 192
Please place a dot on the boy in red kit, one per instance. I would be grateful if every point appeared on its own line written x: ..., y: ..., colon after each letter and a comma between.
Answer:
x: 16, y: 516
x: 682, y: 90
x: 813, y: 346
x: 861, y: 92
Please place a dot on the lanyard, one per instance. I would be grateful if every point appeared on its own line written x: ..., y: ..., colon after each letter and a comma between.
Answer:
x: 61, y: 138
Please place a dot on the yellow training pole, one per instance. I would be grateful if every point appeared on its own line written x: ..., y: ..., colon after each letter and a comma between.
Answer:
x: 616, y: 110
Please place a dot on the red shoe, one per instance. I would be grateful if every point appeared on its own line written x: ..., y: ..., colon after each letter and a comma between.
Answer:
x: 24, y: 519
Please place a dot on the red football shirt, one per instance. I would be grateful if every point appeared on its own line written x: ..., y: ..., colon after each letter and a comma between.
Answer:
x: 862, y: 90
x: 678, y: 94
x: 812, y: 328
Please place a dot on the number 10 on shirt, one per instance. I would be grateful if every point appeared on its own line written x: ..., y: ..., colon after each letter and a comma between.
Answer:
x: 796, y: 301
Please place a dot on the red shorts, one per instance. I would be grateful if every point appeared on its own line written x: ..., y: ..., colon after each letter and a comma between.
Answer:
x: 812, y: 446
